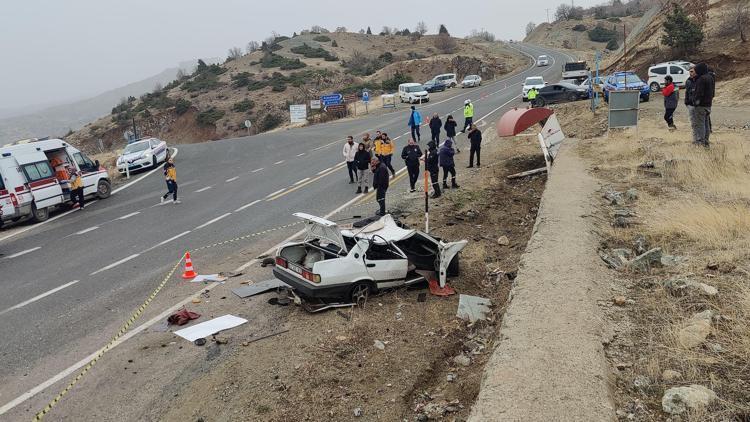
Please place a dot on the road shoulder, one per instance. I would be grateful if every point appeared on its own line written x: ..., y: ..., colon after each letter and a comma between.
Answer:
x: 549, y: 360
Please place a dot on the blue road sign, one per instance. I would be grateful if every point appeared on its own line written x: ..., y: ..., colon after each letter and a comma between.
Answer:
x: 365, y: 96
x: 331, y: 99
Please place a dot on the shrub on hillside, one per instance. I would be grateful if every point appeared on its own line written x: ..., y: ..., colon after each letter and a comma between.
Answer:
x: 157, y: 99
x: 181, y: 106
x: 358, y: 88
x: 321, y: 38
x: 600, y: 34
x: 334, y: 44
x: 311, y: 52
x: 243, y: 106
x: 362, y: 65
x: 614, y: 19
x: 278, y: 87
x: 292, y: 64
x: 270, y: 121
x: 202, y: 82
x: 397, y: 79
x: 445, y: 44
x: 612, y: 45
x: 274, y: 60
x: 241, y: 79
x: 209, y: 117
x: 580, y: 28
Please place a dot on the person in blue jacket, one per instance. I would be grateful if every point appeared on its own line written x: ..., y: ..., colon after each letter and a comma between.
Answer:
x: 415, y: 119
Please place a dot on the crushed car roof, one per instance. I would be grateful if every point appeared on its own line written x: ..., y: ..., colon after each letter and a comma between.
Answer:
x: 385, y: 228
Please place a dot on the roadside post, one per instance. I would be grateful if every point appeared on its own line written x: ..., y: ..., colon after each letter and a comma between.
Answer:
x: 248, y: 124
x: 426, y: 202
x: 127, y: 170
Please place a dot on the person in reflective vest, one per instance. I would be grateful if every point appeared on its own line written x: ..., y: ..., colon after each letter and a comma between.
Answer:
x: 76, y: 189
x: 468, y: 115
x: 531, y: 95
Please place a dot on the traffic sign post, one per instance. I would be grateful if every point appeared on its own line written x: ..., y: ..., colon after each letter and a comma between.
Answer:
x: 248, y: 124
x: 331, y: 99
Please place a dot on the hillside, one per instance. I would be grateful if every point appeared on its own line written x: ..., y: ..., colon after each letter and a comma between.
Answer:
x: 214, y: 101
x: 59, y: 119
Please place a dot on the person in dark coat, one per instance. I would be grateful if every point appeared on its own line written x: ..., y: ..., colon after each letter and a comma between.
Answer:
x: 411, y: 155
x: 362, y: 163
x: 671, y: 99
x: 475, y: 137
x: 450, y: 131
x: 432, y: 165
x: 380, y: 182
x: 446, y: 162
x: 690, y: 93
x: 703, y: 96
x: 435, y: 125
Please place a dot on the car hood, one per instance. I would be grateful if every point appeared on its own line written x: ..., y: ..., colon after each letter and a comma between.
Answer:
x: 133, y: 155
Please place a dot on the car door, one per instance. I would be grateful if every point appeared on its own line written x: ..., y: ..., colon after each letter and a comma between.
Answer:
x: 385, y: 263
x: 657, y: 74
x: 41, y: 179
x: 89, y: 172
x: 447, y: 252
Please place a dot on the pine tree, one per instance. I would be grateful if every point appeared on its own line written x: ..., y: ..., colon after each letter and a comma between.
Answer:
x: 680, y: 32
x: 443, y: 30
x: 369, y: 31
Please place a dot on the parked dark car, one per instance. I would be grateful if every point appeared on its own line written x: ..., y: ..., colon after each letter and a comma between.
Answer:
x: 434, y: 86
x: 562, y: 92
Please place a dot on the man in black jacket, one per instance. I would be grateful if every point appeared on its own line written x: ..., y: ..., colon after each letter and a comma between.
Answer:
x: 411, y: 155
x: 380, y: 182
x: 435, y: 125
x: 475, y: 137
x: 702, y: 98
x: 432, y: 164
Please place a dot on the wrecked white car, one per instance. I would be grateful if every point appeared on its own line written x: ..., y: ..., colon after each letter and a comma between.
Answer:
x: 351, y: 264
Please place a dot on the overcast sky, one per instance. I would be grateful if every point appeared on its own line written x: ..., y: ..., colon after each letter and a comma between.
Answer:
x: 56, y: 50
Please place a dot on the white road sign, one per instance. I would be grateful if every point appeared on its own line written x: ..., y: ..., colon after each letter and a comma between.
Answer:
x: 298, y: 113
x: 248, y: 124
x: 315, y: 104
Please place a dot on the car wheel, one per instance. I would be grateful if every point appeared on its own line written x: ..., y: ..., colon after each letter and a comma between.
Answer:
x: 539, y: 102
x: 655, y: 87
x: 39, y: 215
x: 453, y: 85
x: 572, y: 97
x: 103, y: 189
x: 360, y: 292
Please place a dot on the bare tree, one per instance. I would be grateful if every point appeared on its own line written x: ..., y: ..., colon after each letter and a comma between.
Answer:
x: 530, y: 28
x: 234, y: 53
x: 319, y: 29
x: 157, y: 88
x: 386, y: 30
x: 341, y: 29
x: 482, y: 35
x: 180, y: 75
x: 252, y: 46
x: 445, y: 44
x: 736, y: 22
x: 421, y: 28
x: 362, y: 31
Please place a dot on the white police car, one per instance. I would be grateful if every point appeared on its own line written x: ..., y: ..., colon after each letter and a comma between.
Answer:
x: 141, y: 154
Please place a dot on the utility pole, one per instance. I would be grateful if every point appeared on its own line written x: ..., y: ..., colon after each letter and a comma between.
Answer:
x: 547, y: 9
x: 135, y: 130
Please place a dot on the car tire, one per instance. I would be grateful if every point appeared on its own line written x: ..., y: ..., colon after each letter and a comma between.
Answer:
x: 655, y: 87
x: 453, y: 85
x: 361, y: 292
x: 572, y: 97
x: 539, y: 102
x: 39, y: 215
x: 103, y: 189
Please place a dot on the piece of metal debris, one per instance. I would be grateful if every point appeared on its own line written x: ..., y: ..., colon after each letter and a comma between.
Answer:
x: 473, y: 308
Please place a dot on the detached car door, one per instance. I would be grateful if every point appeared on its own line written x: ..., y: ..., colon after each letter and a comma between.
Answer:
x: 447, y: 252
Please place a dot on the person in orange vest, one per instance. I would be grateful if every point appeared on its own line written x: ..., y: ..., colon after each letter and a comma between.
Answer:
x: 76, y: 189
x: 170, y: 175
x: 385, y: 152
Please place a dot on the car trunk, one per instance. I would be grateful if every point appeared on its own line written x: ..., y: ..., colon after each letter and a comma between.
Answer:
x: 305, y: 255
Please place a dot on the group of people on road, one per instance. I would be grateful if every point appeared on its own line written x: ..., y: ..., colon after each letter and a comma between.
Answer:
x: 700, y: 89
x: 374, y: 156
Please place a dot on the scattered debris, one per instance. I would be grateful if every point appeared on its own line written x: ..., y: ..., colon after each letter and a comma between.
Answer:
x: 358, y: 412
x: 230, y: 274
x: 196, y: 300
x: 527, y: 173
x: 268, y: 262
x: 620, y: 300
x: 473, y: 308
x: 436, y: 290
x: 210, y: 327
x: 678, y: 400
x: 462, y: 360
x: 503, y: 241
x: 422, y: 297
x: 347, y: 317
x: 220, y: 340
x: 182, y: 317
x: 379, y: 345
x: 264, y: 337
x: 450, y: 377
x: 207, y: 278
x: 647, y: 165
x: 682, y: 287
x: 258, y: 288
x: 199, y: 341
x: 696, y: 331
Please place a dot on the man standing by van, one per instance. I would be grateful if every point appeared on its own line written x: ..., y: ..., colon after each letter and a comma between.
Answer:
x: 415, y: 119
x: 468, y: 114
x: 76, y: 188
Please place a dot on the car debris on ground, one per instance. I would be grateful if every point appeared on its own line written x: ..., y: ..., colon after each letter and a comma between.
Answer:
x: 205, y: 329
x: 473, y: 308
x: 258, y: 288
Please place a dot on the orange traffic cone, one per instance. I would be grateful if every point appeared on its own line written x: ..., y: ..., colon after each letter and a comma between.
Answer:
x: 189, y: 272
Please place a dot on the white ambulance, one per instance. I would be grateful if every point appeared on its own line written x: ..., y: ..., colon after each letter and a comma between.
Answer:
x: 34, y: 177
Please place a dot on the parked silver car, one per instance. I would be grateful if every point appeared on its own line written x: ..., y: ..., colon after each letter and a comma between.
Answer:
x: 471, y: 80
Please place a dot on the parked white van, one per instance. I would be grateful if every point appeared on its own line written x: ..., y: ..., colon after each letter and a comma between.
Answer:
x: 448, y: 79
x: 413, y: 92
x: 677, y: 70
x: 34, y: 177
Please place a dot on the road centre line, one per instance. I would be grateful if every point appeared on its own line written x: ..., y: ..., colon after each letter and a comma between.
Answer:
x: 276, y: 193
x: 300, y: 155
x: 279, y: 194
x: 17, y: 254
x: 203, y: 189
x: 278, y: 162
x: 90, y: 229
x: 323, y: 171
x: 126, y: 216
x: 110, y: 266
x: 301, y: 181
x: 232, y: 179
x: 213, y: 221
x: 247, y: 205
x: 257, y: 170
x: 41, y: 296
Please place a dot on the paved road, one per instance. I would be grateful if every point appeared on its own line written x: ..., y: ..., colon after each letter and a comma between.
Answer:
x: 67, y: 282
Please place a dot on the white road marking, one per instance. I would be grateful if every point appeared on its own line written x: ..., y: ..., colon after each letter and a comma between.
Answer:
x: 300, y: 155
x: 113, y: 265
x: 126, y: 216
x: 164, y: 242
x: 90, y: 229
x: 17, y: 254
x: 276, y: 193
x: 247, y: 205
x: 41, y: 296
x: 257, y: 170
x: 203, y: 189
x: 301, y: 181
x: 278, y: 162
x: 212, y: 221
x: 232, y: 179
x: 323, y: 171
